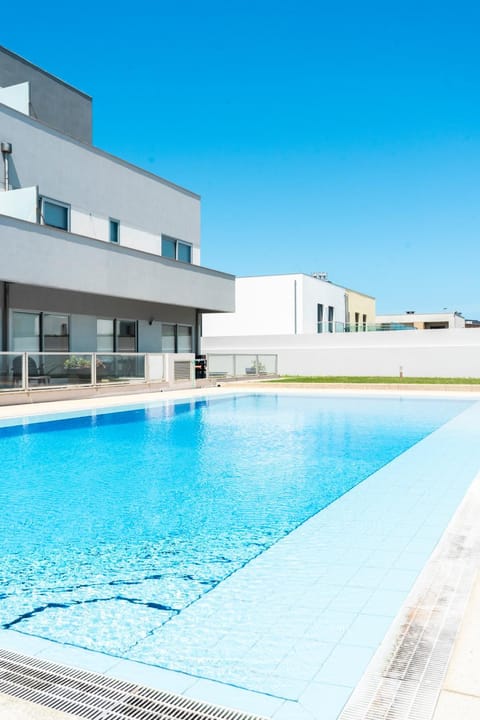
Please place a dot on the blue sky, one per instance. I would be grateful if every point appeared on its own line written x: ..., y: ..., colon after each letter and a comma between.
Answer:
x: 340, y: 137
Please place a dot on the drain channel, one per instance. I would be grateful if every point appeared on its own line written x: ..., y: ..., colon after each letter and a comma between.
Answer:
x: 98, y: 697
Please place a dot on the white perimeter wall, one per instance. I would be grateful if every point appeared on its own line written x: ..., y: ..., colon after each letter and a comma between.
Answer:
x: 276, y: 305
x: 421, y: 353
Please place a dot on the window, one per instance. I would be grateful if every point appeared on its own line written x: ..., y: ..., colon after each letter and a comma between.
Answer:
x: 364, y: 318
x: 184, y: 252
x: 331, y: 311
x: 105, y: 335
x: 55, y: 333
x: 168, y: 338
x: 40, y: 332
x: 176, y: 249
x: 26, y: 332
x: 55, y: 214
x: 357, y: 321
x: 114, y: 231
x: 169, y: 247
x: 126, y: 336
x: 319, y: 318
x: 177, y: 338
x: 184, y: 339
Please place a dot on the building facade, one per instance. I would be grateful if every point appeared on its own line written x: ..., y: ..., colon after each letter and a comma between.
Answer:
x: 96, y: 254
x: 294, y: 304
x: 421, y: 321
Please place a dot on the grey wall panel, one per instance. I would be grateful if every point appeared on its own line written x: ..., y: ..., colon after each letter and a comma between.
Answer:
x: 83, y: 333
x: 96, y: 183
x: 29, y: 297
x: 52, y: 101
x: 38, y: 255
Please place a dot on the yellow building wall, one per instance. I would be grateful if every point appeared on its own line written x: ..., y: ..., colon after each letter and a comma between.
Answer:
x: 361, y: 304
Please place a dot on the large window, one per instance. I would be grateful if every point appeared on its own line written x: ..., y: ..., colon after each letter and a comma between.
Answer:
x: 55, y: 333
x: 40, y: 332
x: 169, y: 343
x: 26, y: 332
x: 184, y: 339
x: 126, y: 335
x: 176, y: 338
x: 176, y: 249
x: 55, y: 214
x: 105, y: 335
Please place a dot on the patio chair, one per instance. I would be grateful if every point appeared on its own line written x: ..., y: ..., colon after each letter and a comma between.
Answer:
x: 33, y: 374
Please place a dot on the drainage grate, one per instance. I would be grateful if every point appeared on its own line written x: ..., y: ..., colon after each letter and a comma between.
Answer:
x: 98, y: 697
x: 405, y: 677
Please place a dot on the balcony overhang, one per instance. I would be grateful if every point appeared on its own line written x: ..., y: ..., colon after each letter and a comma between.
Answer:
x: 33, y: 254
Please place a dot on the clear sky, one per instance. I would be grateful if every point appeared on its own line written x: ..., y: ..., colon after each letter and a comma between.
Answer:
x: 322, y: 136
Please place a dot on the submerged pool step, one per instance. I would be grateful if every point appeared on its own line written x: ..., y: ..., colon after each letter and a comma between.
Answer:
x: 98, y: 697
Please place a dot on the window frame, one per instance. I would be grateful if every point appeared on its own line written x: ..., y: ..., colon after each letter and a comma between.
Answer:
x: 175, y: 337
x: 58, y: 203
x: 113, y: 221
x: 177, y: 243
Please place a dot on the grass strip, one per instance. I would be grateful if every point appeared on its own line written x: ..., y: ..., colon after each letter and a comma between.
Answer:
x: 377, y: 380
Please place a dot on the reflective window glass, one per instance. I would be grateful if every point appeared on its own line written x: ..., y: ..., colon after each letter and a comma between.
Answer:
x: 184, y: 338
x: 55, y: 333
x: 114, y: 231
x: 168, y: 338
x: 105, y: 335
x: 184, y: 252
x: 126, y: 336
x: 168, y: 247
x: 26, y: 332
x: 55, y: 215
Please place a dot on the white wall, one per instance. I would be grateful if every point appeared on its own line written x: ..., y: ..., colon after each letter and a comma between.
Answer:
x: 98, y: 186
x: 276, y: 305
x: 16, y: 97
x: 316, y: 292
x: 21, y: 204
x: 420, y: 353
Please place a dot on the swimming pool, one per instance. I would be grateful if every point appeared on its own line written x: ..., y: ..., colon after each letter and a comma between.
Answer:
x: 117, y: 525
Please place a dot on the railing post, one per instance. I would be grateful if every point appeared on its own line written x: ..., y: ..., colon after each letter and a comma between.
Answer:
x: 25, y: 383
x: 147, y: 368
x: 93, y: 368
x: 234, y: 365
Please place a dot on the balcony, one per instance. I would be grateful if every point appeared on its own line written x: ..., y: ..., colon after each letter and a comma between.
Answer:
x: 40, y: 255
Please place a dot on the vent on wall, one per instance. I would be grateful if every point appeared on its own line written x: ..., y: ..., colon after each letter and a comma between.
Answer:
x: 182, y: 370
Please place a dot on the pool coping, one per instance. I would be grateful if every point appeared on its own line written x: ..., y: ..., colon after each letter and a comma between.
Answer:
x: 180, y: 682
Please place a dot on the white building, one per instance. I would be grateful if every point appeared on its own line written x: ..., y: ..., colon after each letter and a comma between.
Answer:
x: 294, y: 304
x: 421, y: 321
x: 96, y: 254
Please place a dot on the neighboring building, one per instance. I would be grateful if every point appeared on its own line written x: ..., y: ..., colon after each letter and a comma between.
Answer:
x: 421, y: 321
x: 294, y: 304
x: 360, y: 311
x: 95, y: 252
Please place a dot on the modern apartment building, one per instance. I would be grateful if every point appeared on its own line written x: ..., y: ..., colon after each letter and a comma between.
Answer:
x: 295, y: 304
x: 95, y: 253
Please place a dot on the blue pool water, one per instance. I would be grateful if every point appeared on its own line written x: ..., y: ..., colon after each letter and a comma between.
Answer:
x: 112, y: 524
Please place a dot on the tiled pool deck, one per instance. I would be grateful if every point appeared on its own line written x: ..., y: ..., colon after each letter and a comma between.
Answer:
x: 290, y: 635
